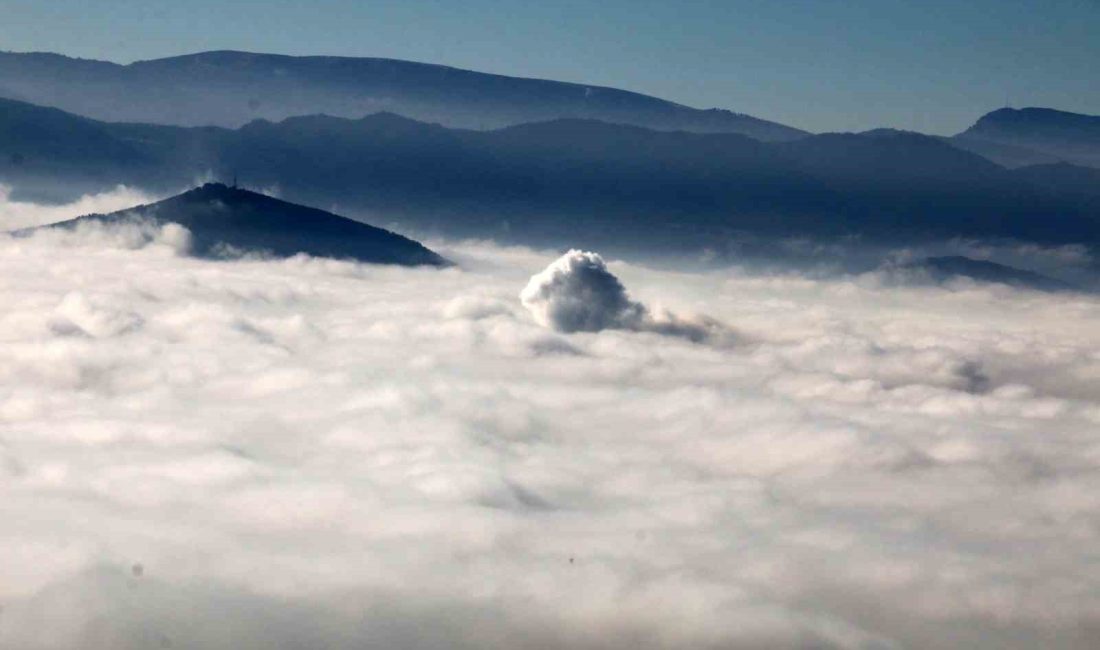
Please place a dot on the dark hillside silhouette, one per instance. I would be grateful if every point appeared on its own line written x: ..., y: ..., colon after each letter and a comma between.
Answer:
x: 578, y: 182
x: 229, y: 220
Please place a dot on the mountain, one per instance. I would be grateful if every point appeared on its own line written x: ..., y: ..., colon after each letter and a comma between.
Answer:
x: 1066, y: 180
x: 1000, y: 154
x: 226, y: 219
x: 950, y: 267
x: 67, y: 143
x: 1035, y: 136
x: 1006, y: 155
x: 578, y: 182
x: 233, y: 88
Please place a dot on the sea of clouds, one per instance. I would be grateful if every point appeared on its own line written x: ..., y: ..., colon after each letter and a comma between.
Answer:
x: 309, y: 453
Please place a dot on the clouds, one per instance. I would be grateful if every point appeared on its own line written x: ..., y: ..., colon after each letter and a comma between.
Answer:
x: 577, y: 293
x: 16, y: 214
x: 94, y: 236
x: 314, y: 453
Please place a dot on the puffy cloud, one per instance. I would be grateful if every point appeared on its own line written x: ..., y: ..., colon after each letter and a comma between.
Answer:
x: 577, y: 293
x: 312, y: 453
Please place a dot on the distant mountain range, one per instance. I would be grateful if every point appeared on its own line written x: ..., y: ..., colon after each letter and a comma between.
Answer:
x: 230, y: 89
x: 228, y: 221
x: 572, y: 182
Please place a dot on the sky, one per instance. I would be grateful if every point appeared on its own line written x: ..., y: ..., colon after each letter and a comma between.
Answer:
x: 821, y: 65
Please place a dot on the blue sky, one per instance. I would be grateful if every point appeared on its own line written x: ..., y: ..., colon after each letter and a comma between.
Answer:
x: 817, y: 64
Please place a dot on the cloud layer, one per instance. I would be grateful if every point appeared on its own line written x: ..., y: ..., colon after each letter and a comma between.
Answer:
x: 308, y: 453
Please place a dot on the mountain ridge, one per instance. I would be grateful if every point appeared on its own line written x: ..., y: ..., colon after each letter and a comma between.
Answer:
x: 230, y: 87
x: 542, y: 183
x: 948, y: 267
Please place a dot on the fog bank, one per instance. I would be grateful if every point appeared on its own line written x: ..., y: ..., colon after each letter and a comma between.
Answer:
x: 310, y: 453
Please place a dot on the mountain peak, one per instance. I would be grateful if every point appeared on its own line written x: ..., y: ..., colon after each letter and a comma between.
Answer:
x: 230, y: 195
x: 223, y: 192
x: 1035, y: 115
x: 1060, y: 135
x: 214, y: 189
x: 226, y: 219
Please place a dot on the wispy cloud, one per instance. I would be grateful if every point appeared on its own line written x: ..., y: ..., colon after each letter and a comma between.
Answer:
x: 15, y: 214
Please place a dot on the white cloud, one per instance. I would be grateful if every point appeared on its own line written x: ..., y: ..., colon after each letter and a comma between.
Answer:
x: 94, y: 236
x: 310, y: 453
x: 577, y: 293
x: 16, y: 214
